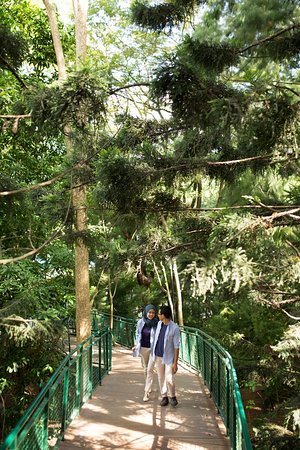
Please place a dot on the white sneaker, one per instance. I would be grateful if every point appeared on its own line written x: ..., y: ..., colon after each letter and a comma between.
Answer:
x: 146, y: 397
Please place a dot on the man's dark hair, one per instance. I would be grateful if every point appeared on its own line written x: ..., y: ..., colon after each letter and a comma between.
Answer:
x: 166, y: 311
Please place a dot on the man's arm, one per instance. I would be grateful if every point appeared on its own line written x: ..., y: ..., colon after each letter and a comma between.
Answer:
x: 176, y: 343
x: 175, y: 362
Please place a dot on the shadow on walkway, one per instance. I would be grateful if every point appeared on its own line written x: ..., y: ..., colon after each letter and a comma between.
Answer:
x: 117, y: 418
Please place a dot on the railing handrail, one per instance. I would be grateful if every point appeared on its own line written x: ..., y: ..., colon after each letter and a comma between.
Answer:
x: 44, y: 396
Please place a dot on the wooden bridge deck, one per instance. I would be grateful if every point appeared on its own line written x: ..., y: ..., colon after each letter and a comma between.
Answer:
x: 117, y: 418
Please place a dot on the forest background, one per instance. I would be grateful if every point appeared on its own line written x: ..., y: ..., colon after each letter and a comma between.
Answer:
x: 151, y: 154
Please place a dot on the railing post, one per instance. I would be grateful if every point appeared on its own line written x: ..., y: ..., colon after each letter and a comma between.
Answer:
x: 91, y: 368
x: 204, y: 362
x: 198, y: 353
x: 233, y: 436
x: 79, y: 380
x: 106, y: 352
x: 211, y: 378
x: 227, y: 402
x: 69, y: 339
x: 45, y: 418
x: 189, y: 348
x: 100, y: 359
x: 65, y: 401
x: 110, y: 349
x: 121, y: 328
x: 218, y: 381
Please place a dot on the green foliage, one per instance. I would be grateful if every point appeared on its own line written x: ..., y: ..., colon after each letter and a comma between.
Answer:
x: 35, y: 296
x: 230, y: 266
x: 211, y: 58
x: 163, y: 15
x: 122, y: 181
x: 265, y: 128
x: 289, y: 346
x: 136, y: 133
x: 283, y: 48
x: 31, y: 351
x: 293, y: 193
x: 34, y: 289
x: 78, y: 103
x: 253, y: 20
x: 191, y: 97
x: 270, y: 436
x: 31, y: 22
x: 13, y: 48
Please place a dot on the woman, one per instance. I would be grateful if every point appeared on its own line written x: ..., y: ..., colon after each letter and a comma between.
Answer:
x: 144, y: 338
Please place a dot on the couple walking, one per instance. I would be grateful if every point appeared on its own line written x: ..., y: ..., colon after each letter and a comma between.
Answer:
x: 157, y: 342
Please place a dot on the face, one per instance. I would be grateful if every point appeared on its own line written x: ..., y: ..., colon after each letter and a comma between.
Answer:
x: 160, y: 316
x: 151, y: 314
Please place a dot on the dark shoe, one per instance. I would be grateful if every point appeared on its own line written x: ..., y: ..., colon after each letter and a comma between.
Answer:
x: 173, y: 401
x: 164, y: 401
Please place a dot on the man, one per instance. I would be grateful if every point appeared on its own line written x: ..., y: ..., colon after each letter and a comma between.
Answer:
x: 165, y: 353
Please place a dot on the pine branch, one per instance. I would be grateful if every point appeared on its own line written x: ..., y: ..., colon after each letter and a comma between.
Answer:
x: 214, y: 163
x: 276, y: 215
x: 15, y: 116
x: 290, y: 315
x: 127, y: 86
x: 269, y: 38
x: 38, y: 185
x: 13, y: 71
x: 190, y: 209
x: 44, y: 244
x: 276, y: 306
x: 287, y: 89
x: 31, y: 253
x: 281, y: 302
x: 294, y: 248
x: 59, y: 176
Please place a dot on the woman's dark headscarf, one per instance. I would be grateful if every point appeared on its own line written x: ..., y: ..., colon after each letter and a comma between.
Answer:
x: 149, y: 322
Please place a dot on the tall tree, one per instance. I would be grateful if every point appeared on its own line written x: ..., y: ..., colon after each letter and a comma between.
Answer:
x: 83, y: 308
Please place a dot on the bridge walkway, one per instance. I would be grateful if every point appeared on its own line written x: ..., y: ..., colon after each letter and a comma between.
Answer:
x: 117, y: 418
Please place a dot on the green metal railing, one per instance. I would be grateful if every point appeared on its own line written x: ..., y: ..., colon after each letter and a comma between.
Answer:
x: 123, y: 328
x: 206, y: 356
x: 44, y: 423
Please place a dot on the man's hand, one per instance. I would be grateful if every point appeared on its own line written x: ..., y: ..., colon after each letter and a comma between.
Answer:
x: 174, y: 367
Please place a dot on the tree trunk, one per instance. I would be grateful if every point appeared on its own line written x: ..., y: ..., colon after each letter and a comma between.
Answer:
x: 197, y: 200
x: 111, y: 303
x: 179, y: 294
x: 170, y: 300
x: 220, y: 194
x: 82, y: 281
x: 82, y: 284
x: 111, y: 294
x: 60, y: 59
x: 80, y: 8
